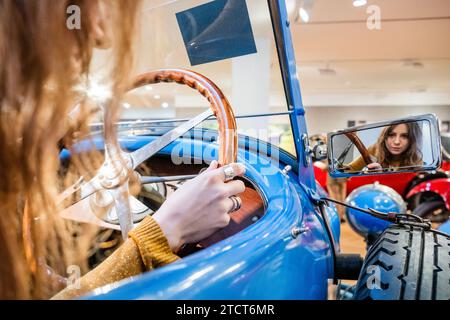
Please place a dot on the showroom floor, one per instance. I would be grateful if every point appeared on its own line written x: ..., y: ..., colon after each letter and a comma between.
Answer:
x: 351, y: 242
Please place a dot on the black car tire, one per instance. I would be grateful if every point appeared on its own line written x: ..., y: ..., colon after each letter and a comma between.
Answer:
x: 406, y: 263
x: 427, y: 210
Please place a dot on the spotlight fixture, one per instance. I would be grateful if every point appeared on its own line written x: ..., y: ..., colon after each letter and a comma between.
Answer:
x: 303, y: 12
x: 359, y: 3
x: 413, y: 64
x: 304, y: 15
x: 327, y: 70
x: 95, y: 90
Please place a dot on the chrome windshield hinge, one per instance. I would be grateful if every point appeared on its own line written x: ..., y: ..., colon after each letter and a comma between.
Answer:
x: 307, y: 151
x: 317, y: 152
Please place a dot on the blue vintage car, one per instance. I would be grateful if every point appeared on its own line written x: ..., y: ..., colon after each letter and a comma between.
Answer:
x: 285, y: 244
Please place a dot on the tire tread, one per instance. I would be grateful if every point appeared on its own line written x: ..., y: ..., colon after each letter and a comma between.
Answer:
x: 414, y: 264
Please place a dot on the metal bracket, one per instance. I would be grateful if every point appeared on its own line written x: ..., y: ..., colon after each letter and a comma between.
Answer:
x: 307, y: 151
x: 312, y: 195
x: 318, y: 152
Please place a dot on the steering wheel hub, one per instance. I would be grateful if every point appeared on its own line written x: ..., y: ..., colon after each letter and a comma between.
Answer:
x: 114, y: 173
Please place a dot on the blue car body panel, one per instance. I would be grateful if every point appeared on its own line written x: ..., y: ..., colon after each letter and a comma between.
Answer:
x: 263, y: 261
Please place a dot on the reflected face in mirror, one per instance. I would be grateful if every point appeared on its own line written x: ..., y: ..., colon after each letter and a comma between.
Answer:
x: 387, y: 147
x: 397, y: 139
x: 400, y: 144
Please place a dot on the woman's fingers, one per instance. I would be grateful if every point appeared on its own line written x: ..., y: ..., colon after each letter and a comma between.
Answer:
x: 213, y: 165
x: 202, y: 205
x: 238, y: 170
x: 236, y: 204
x: 374, y: 166
x: 228, y: 172
x: 234, y: 187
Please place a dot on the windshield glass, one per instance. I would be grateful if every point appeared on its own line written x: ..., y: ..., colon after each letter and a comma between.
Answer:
x: 229, y: 42
x: 371, y: 62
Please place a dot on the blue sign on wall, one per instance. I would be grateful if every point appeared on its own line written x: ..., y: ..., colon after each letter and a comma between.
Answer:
x: 216, y: 31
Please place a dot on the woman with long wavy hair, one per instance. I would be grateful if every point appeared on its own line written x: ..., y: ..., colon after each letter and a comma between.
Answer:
x: 41, y: 62
x: 398, y: 146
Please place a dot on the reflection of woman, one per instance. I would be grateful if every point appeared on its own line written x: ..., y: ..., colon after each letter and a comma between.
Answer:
x: 41, y: 61
x: 397, y: 146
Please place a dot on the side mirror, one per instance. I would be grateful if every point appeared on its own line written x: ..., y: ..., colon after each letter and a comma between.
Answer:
x: 403, y: 145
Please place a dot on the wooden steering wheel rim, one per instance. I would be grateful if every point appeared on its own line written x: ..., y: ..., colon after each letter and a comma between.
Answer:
x: 228, y: 140
x: 360, y: 146
x: 219, y: 104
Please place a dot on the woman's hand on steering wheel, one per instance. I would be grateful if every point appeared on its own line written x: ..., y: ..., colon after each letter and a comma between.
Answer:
x: 374, y: 166
x: 199, y: 207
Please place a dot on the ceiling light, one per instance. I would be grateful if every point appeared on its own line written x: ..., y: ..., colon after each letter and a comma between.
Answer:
x: 413, y: 64
x: 304, y: 15
x: 157, y: 96
x: 165, y: 105
x: 148, y: 88
x: 327, y: 71
x: 359, y: 3
x: 419, y: 89
x: 95, y: 91
x: 126, y: 105
x: 303, y: 10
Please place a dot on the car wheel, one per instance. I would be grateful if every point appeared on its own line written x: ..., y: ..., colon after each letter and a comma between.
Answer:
x: 433, y: 210
x: 406, y: 263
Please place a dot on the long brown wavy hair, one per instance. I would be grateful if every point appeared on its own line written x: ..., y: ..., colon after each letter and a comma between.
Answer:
x: 41, y: 61
x: 412, y: 156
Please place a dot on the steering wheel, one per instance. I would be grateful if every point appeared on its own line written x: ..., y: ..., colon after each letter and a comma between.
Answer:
x: 106, y: 199
x: 360, y: 146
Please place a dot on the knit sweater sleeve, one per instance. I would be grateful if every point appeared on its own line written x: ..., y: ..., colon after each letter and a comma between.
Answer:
x: 358, y: 164
x: 147, y: 248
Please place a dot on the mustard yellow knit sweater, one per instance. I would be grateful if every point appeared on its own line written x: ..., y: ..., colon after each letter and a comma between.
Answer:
x: 147, y: 248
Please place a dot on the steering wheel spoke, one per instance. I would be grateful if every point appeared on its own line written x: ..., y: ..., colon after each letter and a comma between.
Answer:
x: 122, y: 207
x: 112, y: 209
x: 142, y: 154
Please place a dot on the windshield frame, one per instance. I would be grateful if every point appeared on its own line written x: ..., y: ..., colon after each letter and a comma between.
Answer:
x: 291, y: 83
